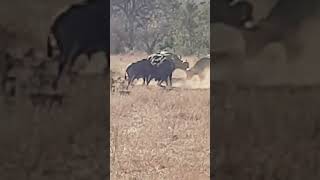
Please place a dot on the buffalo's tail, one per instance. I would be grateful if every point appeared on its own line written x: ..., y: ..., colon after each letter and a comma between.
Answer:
x: 125, y: 75
x: 49, y: 46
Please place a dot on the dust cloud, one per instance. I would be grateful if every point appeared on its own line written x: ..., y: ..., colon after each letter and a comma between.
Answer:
x: 195, y: 82
x: 271, y: 66
x: 303, y: 70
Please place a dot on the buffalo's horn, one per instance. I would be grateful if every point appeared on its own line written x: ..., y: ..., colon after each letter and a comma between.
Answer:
x: 234, y: 2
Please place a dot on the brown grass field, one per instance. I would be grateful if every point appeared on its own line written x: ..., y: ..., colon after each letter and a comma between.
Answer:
x: 159, y: 134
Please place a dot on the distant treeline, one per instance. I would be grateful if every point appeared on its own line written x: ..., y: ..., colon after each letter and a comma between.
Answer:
x: 144, y: 25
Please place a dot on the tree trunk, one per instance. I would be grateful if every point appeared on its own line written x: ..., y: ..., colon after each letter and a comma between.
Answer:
x: 131, y: 34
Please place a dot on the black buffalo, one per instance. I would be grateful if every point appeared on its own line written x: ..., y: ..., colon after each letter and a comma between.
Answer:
x: 81, y: 29
x: 140, y: 69
x: 282, y: 26
x: 160, y: 72
x: 199, y: 68
x: 164, y: 70
x: 175, y: 59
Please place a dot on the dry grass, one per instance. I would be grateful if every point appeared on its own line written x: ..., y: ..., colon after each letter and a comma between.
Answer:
x: 159, y: 134
x: 273, y: 135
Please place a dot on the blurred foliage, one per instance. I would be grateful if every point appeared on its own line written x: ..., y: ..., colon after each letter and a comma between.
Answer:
x: 143, y: 25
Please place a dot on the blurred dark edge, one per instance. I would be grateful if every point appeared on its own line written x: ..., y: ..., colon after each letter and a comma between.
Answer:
x: 263, y: 132
x: 102, y: 134
x: 107, y: 155
x: 212, y: 173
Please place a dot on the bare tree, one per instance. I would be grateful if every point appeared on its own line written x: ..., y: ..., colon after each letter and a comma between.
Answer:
x: 151, y: 25
x: 136, y: 13
x: 154, y: 31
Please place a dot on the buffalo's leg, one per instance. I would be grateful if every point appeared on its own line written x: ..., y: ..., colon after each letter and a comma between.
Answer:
x: 72, y: 74
x: 62, y: 64
x: 170, y: 78
x: 144, y: 80
x: 148, y: 80
x: 130, y: 80
x: 160, y: 82
x: 73, y: 60
x: 89, y: 56
x: 167, y: 83
x: 130, y: 83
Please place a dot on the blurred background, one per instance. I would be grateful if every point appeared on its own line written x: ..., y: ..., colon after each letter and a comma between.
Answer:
x: 149, y: 26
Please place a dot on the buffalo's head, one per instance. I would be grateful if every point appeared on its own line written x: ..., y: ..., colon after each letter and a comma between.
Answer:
x: 185, y: 65
x: 178, y: 61
x: 181, y: 64
x: 235, y: 13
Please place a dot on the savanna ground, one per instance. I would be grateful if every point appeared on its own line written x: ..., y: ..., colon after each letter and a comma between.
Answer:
x: 159, y: 134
